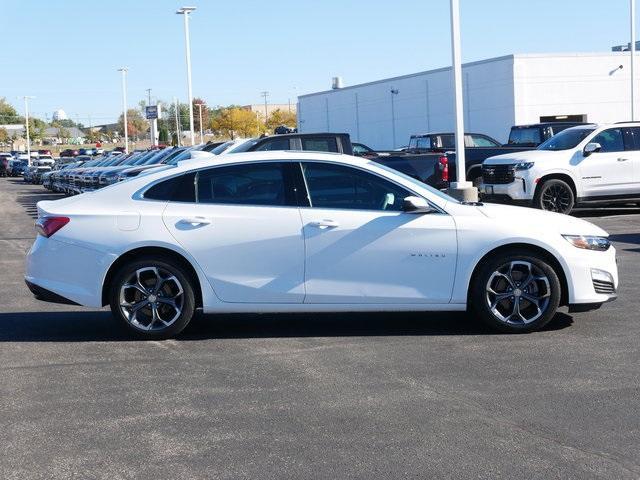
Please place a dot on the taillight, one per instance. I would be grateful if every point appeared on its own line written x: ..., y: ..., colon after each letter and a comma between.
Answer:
x: 47, y: 226
x: 443, y: 163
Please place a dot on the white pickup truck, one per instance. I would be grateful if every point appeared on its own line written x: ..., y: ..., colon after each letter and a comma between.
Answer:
x: 580, y: 165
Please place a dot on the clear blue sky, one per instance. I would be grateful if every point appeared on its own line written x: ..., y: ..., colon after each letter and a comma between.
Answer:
x: 66, y: 52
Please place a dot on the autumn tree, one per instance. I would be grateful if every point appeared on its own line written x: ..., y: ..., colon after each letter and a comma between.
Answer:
x: 4, y: 136
x: 280, y: 117
x: 233, y: 121
x: 136, y: 124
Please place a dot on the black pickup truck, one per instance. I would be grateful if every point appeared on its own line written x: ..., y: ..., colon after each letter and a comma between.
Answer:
x: 431, y: 157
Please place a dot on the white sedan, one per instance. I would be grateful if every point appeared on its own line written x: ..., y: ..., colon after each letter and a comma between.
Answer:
x: 308, y: 232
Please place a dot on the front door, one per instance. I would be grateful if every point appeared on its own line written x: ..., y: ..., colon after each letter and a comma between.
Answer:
x: 245, y: 232
x: 362, y: 248
x: 608, y: 172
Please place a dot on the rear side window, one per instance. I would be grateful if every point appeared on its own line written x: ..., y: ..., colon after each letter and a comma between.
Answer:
x: 320, y: 144
x: 245, y: 184
x: 274, y: 144
x: 176, y: 189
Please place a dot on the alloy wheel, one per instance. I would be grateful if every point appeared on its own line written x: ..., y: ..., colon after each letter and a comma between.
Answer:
x: 556, y: 198
x: 518, y: 293
x: 151, y: 299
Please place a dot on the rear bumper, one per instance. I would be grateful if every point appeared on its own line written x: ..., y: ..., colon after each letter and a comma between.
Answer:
x: 47, y: 295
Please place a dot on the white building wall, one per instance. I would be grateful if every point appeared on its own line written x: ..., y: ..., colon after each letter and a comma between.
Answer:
x: 423, y: 102
x: 498, y: 93
x: 573, y: 84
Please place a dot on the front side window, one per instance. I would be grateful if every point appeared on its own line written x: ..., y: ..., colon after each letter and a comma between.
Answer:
x: 610, y: 140
x: 245, y: 184
x: 337, y: 186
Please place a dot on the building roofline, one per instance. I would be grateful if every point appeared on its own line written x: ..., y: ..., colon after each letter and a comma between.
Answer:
x: 471, y: 64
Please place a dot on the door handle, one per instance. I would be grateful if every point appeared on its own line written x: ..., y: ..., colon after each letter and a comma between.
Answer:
x: 325, y: 224
x: 623, y: 159
x: 196, y: 220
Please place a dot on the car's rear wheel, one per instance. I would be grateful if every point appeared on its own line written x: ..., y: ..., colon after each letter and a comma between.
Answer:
x: 153, y: 297
x: 515, y: 291
x: 555, y: 195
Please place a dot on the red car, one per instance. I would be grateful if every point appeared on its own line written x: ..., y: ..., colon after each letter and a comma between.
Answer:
x: 45, y: 152
x: 69, y: 153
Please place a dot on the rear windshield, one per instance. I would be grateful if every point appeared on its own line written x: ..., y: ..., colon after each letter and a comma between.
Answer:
x: 525, y: 136
x: 567, y: 139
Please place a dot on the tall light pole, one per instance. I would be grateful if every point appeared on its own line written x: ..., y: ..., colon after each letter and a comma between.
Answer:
x: 265, y: 94
x: 200, y: 114
x: 460, y: 189
x: 632, y: 49
x: 186, y: 11
x: 124, y: 108
x: 394, y: 92
x: 26, y: 117
x: 177, y: 112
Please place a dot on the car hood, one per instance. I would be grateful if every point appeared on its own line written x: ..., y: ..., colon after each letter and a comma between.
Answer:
x: 532, y: 218
x: 527, y: 156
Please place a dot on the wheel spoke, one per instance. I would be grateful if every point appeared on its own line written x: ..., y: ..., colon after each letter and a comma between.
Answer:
x: 499, y: 298
x: 168, y: 301
x: 135, y: 286
x: 134, y: 307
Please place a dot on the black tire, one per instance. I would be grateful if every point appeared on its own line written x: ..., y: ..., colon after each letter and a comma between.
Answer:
x: 555, y: 195
x: 488, y: 276
x: 157, y: 297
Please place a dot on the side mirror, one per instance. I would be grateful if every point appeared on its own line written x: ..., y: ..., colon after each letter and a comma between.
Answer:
x: 416, y: 205
x: 591, y: 148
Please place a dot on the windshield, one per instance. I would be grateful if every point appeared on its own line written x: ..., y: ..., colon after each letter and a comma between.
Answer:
x: 567, y: 139
x: 221, y: 148
x: 416, y: 182
x: 244, y: 146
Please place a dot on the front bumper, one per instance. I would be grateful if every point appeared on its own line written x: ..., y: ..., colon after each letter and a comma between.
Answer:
x: 518, y: 190
x: 583, y: 272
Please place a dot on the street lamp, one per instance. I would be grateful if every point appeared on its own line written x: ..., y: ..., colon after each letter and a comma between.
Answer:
x: 632, y: 50
x: 265, y: 94
x: 185, y: 11
x: 394, y: 92
x: 461, y: 188
x: 124, y: 108
x: 26, y: 116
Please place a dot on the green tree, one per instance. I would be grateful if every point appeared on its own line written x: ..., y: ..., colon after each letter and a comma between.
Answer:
x: 137, y: 125
x: 163, y: 135
x: 280, y: 117
x: 8, y: 114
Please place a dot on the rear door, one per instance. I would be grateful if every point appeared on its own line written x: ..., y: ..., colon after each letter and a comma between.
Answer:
x: 634, y: 158
x: 244, y: 229
x: 609, y: 172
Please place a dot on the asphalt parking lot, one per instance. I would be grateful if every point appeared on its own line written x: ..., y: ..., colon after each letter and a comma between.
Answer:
x: 315, y: 396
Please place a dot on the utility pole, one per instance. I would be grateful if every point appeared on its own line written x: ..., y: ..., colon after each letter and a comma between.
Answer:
x: 632, y: 49
x: 460, y: 189
x: 26, y: 116
x: 175, y: 100
x: 200, y: 114
x: 265, y: 95
x: 124, y: 108
x: 186, y: 11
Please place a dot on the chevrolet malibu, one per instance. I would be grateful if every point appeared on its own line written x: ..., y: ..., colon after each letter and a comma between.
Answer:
x: 309, y: 232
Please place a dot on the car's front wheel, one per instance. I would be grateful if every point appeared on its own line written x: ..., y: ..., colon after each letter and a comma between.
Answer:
x: 555, y: 195
x: 515, y: 291
x: 153, y: 297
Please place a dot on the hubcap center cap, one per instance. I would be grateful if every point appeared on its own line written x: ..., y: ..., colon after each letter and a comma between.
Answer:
x: 517, y: 292
x: 152, y: 298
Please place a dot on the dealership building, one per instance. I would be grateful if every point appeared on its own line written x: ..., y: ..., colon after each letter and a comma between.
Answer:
x: 498, y: 93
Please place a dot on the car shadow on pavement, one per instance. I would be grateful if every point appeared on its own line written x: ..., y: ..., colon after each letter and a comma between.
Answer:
x: 604, y: 211
x: 29, y: 199
x: 633, y: 238
x: 92, y: 326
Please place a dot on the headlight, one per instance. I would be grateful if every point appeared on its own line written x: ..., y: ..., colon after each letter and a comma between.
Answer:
x: 524, y: 165
x: 588, y: 242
